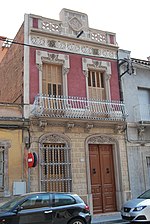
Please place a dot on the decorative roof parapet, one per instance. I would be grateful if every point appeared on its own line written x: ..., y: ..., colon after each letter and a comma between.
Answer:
x: 71, y: 23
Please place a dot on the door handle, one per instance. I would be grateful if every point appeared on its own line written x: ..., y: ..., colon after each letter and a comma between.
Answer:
x: 47, y: 212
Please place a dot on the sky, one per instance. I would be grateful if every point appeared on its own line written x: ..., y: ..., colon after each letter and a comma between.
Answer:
x: 129, y: 19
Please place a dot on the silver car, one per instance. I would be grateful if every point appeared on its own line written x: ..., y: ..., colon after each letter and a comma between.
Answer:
x: 137, y: 210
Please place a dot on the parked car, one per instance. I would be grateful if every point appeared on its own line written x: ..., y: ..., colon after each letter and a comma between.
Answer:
x: 137, y: 210
x: 45, y: 208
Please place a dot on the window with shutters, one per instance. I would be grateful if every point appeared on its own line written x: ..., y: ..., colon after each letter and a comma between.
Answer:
x: 144, y: 102
x: 2, y: 170
x: 55, y: 167
x: 52, y: 79
x: 96, y: 85
x: 4, y: 186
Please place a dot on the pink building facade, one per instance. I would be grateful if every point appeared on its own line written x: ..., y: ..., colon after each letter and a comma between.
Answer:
x: 71, y: 99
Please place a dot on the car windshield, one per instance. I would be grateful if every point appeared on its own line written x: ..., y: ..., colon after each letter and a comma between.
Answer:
x: 145, y: 195
x: 10, y: 204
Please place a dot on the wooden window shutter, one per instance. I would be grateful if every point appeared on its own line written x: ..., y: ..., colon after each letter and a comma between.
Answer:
x: 52, y: 79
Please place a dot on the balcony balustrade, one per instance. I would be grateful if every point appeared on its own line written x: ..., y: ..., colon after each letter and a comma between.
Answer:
x: 77, y: 107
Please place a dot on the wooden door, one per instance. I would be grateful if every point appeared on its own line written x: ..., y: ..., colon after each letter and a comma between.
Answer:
x: 102, y: 178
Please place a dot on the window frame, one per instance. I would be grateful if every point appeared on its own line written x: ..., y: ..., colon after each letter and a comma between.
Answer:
x: 52, y: 79
x: 96, y: 84
x: 61, y: 180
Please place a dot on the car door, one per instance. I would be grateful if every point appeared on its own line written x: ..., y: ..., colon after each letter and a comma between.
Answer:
x: 36, y: 209
x: 63, y: 208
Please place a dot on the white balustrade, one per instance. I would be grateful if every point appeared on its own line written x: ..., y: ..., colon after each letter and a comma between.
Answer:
x: 78, y: 107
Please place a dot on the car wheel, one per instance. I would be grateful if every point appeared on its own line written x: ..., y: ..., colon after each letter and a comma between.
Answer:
x: 77, y: 221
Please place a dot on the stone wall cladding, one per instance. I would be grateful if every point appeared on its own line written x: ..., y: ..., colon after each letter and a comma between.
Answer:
x: 78, y: 138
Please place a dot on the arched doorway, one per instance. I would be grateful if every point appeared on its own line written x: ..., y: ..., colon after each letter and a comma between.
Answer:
x: 102, y: 173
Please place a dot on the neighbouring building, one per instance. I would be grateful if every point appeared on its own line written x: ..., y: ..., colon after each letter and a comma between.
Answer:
x: 66, y: 77
x: 135, y: 80
x: 12, y: 176
x: 3, y: 47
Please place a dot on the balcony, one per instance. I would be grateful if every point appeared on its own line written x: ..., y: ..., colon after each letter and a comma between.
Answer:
x: 78, y: 108
x: 142, y: 113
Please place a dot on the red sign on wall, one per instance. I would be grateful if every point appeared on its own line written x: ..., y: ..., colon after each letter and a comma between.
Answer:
x: 30, y: 160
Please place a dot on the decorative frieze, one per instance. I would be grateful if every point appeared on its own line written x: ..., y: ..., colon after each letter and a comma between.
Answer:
x: 73, y: 47
x: 101, y: 140
x: 43, y: 56
x: 54, y: 138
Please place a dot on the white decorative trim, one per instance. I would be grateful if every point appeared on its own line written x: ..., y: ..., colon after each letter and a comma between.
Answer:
x: 54, y: 138
x: 44, y: 56
x: 96, y: 64
x: 75, y: 24
x: 105, y: 66
x: 60, y: 45
x: 26, y: 68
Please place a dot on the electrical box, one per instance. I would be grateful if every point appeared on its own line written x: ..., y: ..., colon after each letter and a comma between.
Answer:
x: 19, y: 188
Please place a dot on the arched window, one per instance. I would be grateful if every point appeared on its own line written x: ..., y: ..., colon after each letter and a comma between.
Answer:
x: 55, y: 165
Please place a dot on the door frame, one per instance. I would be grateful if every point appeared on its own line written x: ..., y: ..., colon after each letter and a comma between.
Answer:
x: 98, y: 140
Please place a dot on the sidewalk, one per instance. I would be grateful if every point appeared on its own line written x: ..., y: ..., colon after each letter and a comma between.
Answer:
x: 107, y: 218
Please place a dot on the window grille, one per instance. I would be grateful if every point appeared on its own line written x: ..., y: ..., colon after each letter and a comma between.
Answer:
x: 55, y: 168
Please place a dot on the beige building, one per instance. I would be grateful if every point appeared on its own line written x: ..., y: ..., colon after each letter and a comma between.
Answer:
x: 11, y: 151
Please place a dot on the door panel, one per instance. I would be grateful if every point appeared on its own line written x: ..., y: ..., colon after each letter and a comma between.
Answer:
x: 106, y: 161
x: 96, y: 179
x: 102, y: 178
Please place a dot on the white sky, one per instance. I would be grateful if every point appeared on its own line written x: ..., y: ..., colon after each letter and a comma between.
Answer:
x: 129, y: 19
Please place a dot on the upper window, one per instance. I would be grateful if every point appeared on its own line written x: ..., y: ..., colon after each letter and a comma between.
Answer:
x: 52, y: 79
x: 96, y: 85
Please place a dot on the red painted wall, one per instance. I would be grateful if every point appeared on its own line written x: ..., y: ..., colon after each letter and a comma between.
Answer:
x: 75, y: 78
x: 114, y: 82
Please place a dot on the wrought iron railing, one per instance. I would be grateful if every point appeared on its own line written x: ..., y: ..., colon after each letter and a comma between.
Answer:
x: 78, y: 107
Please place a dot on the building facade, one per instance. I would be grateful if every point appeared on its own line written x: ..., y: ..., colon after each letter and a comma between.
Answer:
x: 12, y: 179
x: 66, y: 77
x: 136, y: 93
